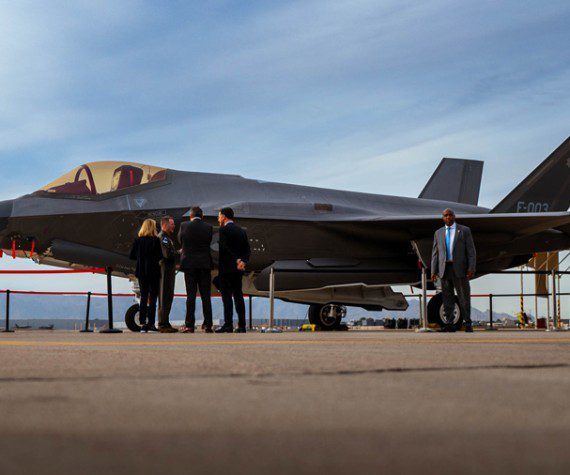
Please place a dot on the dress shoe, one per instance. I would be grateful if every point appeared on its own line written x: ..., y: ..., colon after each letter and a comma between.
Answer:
x: 167, y: 330
x: 187, y: 329
x: 207, y: 329
x: 240, y: 330
x: 468, y: 328
x: 152, y: 328
x: 144, y: 328
x: 225, y: 329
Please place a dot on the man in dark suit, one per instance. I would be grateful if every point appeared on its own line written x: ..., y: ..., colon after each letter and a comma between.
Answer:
x: 195, y: 238
x: 234, y: 255
x: 453, y: 260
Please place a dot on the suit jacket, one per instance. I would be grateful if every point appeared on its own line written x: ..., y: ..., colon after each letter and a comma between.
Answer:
x: 234, y: 245
x: 168, y: 247
x: 464, y: 254
x: 146, y: 251
x: 195, y: 237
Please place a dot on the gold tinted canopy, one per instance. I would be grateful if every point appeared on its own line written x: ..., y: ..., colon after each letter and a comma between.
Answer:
x: 97, y: 178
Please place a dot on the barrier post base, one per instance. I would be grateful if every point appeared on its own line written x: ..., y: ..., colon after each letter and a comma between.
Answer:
x: 86, y: 331
x: 6, y: 330
x: 111, y: 330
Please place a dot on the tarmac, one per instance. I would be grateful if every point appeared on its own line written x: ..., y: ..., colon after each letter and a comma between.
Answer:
x: 350, y: 402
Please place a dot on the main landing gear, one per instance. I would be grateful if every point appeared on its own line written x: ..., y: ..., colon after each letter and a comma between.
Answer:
x: 132, y: 318
x: 326, y: 317
x: 437, y: 316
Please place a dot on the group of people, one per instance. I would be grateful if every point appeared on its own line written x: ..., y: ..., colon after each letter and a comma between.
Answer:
x: 156, y: 255
x: 453, y: 263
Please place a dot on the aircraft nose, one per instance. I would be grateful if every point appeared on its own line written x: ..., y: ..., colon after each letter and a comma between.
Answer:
x: 5, y: 213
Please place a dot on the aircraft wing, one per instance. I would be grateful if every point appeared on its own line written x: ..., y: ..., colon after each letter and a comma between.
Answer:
x: 519, y: 224
x: 408, y: 226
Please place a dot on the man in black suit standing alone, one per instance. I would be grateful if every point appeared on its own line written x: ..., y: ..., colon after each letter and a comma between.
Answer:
x: 234, y: 255
x: 453, y: 260
x: 195, y: 238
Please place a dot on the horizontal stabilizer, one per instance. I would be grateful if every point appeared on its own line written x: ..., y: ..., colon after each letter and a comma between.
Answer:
x: 456, y: 180
x: 547, y: 188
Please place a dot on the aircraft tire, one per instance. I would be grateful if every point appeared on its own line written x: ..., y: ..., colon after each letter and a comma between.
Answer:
x: 325, y: 317
x: 132, y: 319
x: 435, y: 312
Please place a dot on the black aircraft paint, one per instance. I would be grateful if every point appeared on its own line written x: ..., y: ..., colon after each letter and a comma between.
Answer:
x: 331, y: 246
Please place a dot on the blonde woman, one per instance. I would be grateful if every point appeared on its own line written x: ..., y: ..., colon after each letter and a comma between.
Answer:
x: 147, y: 252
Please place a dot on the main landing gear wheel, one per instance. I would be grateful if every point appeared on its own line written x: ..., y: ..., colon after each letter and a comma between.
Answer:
x: 436, y: 314
x: 326, y: 317
x: 132, y: 318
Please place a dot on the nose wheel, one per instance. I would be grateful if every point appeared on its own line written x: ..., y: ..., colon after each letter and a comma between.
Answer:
x: 326, y: 317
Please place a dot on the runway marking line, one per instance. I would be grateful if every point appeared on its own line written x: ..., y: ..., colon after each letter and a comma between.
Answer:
x: 24, y: 343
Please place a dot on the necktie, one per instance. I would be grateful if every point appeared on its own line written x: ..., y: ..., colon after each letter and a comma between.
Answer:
x: 448, y: 243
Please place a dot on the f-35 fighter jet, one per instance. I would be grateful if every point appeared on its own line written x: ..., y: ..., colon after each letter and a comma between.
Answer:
x: 329, y: 248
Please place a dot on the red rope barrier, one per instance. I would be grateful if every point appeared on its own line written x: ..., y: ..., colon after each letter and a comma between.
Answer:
x: 60, y: 271
x: 93, y: 294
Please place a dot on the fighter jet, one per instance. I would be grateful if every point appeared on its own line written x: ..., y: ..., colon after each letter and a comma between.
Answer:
x: 328, y: 248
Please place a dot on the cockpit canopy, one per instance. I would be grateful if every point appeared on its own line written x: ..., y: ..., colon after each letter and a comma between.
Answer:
x: 97, y: 178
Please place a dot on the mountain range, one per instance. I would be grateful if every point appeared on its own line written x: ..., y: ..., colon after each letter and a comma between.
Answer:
x: 73, y: 307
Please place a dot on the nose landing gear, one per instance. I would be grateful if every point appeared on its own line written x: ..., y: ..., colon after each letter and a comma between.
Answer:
x: 132, y: 315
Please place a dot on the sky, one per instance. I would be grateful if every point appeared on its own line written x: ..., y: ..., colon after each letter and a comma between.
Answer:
x: 357, y: 95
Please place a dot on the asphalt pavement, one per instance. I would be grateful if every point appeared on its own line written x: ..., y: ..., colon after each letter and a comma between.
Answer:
x: 349, y: 402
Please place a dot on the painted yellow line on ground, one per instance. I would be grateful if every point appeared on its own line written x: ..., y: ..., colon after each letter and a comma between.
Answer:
x: 164, y: 343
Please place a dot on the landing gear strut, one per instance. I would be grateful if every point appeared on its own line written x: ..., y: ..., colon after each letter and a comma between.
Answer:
x: 326, y: 317
x: 132, y: 315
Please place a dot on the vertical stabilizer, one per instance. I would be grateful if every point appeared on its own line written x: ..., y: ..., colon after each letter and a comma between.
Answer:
x: 455, y: 180
x: 547, y: 188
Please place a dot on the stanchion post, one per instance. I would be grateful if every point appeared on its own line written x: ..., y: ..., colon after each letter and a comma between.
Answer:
x: 271, y: 297
x: 558, y: 303
x: 110, y: 328
x: 87, y: 329
x: 535, y: 309
x: 554, y: 301
x: 7, y: 327
x: 423, y: 302
x: 491, y: 327
x: 250, y: 313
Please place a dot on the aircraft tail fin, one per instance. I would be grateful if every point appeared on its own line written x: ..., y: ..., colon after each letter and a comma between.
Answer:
x: 456, y: 180
x: 547, y: 188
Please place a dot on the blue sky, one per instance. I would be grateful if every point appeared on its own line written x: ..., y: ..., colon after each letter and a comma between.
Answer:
x: 359, y: 95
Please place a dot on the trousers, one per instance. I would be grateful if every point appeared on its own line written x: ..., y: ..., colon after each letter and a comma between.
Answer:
x: 451, y: 284
x: 166, y: 295
x: 149, y: 287
x: 232, y: 294
x: 198, y: 279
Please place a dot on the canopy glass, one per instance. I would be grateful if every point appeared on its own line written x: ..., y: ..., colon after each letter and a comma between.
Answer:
x: 104, y: 177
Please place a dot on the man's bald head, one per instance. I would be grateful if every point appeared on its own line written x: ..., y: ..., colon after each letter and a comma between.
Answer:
x: 448, y: 216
